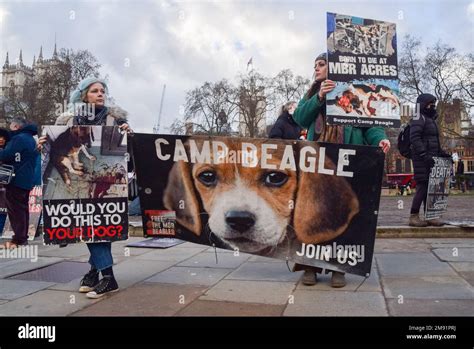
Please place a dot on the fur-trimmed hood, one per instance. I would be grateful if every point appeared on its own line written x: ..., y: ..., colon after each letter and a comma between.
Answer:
x: 115, y: 113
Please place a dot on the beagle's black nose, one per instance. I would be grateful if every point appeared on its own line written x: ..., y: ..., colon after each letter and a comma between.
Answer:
x: 240, y: 221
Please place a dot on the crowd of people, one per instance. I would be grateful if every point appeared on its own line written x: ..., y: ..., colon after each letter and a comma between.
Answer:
x: 305, y: 119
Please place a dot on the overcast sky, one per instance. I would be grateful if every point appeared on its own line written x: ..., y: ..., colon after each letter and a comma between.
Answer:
x: 184, y: 43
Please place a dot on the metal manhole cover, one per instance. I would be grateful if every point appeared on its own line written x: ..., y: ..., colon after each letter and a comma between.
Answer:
x: 61, y: 272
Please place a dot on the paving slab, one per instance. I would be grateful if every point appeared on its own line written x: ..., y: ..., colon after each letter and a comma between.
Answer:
x: 462, y: 266
x: 70, y: 251
x: 190, y: 276
x: 42, y: 246
x: 449, y: 240
x: 71, y: 286
x: 61, y: 272
x: 13, y: 289
x: 323, y: 303
x: 265, y: 271
x: 216, y: 308
x: 173, y: 254
x: 5, y: 261
x: 431, y: 307
x: 455, y: 254
x: 134, y: 270
x: 121, y: 250
x: 468, y: 276
x: 266, y: 292
x: 192, y: 245
x: 19, y: 266
x: 451, y: 245
x: 258, y: 259
x: 46, y: 303
x: 127, y: 273
x: 145, y: 299
x: 428, y: 287
x: 412, y: 264
x: 131, y: 239
x: 353, y: 283
x: 219, y: 250
x: 208, y: 260
x: 401, y: 245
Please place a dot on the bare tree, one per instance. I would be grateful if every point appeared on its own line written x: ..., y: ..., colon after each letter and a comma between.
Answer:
x: 286, y: 87
x: 410, y: 70
x: 214, y: 108
x: 82, y: 63
x: 466, y: 69
x: 252, y: 103
x: 210, y: 108
x: 442, y: 72
x: 178, y: 127
x: 45, y: 94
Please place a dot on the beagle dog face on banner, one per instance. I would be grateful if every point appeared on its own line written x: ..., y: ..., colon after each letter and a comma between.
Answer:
x: 253, y: 208
x: 249, y: 207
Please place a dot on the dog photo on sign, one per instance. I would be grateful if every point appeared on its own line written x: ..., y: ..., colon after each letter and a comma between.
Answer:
x: 84, y: 162
x: 366, y: 98
x: 268, y: 197
x: 259, y: 201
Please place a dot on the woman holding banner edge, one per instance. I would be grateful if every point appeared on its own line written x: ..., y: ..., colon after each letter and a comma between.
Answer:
x: 311, y: 114
x: 92, y: 91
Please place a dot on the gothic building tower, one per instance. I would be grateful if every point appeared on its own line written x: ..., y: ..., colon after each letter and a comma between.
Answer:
x: 16, y: 74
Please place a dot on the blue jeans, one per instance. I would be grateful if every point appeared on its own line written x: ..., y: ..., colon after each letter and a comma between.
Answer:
x: 101, y: 255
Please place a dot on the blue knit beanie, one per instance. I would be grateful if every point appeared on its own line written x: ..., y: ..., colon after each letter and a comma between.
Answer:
x: 83, y: 86
x: 323, y: 56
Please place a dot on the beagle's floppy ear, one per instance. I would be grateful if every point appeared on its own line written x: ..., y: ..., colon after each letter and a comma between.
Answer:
x: 180, y: 196
x: 324, y: 207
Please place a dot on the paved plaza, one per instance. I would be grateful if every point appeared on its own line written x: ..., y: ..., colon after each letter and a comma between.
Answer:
x: 414, y: 276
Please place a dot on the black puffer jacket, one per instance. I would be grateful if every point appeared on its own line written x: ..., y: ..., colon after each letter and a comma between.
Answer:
x: 424, y: 139
x: 285, y: 128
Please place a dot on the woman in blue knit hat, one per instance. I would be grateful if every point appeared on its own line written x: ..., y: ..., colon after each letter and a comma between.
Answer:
x: 88, y: 107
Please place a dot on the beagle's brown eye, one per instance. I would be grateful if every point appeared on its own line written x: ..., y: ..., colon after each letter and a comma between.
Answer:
x: 275, y: 179
x: 208, y: 178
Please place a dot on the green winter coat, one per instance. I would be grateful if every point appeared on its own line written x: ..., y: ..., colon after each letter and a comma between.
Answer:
x: 305, y: 115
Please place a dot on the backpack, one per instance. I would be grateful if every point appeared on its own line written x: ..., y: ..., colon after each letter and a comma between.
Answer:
x: 403, y: 141
x: 404, y: 145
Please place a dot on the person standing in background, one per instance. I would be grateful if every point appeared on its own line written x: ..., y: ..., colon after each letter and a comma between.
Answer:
x: 4, y: 137
x: 424, y: 139
x: 285, y: 127
x: 20, y: 152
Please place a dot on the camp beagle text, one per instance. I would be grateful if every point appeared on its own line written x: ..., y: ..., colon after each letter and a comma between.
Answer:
x: 215, y: 152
